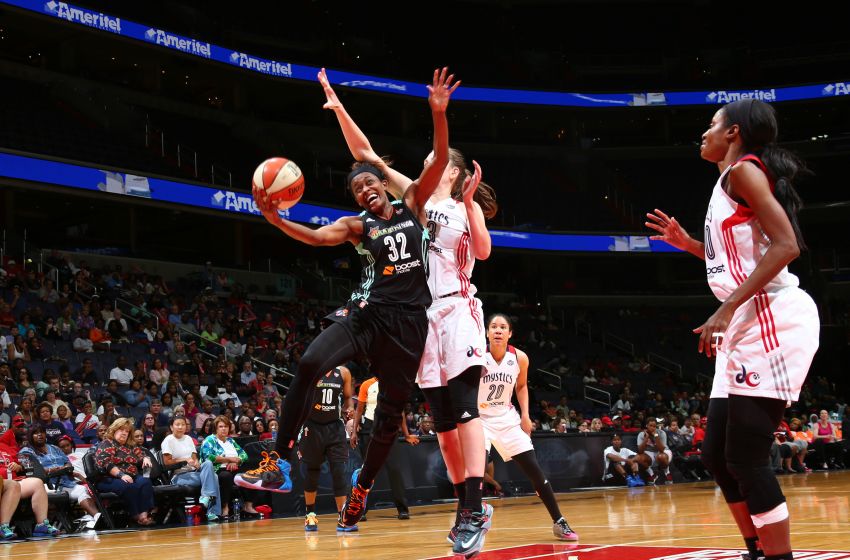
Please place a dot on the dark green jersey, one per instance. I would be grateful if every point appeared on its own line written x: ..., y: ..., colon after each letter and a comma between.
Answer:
x: 394, y: 256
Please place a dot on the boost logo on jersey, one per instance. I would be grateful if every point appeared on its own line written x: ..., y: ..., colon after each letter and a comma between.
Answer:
x: 470, y: 351
x: 402, y: 268
x: 751, y: 379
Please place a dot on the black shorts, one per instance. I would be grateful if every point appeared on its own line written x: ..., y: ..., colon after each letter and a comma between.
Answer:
x: 392, y: 337
x: 323, y: 442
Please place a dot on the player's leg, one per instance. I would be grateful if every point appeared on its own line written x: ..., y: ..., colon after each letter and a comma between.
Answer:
x: 337, y: 455
x: 463, y: 391
x: 527, y: 461
x: 490, y: 474
x: 332, y: 347
x: 440, y: 403
x: 752, y: 421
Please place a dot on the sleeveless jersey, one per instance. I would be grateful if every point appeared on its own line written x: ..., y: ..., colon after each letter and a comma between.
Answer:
x: 451, y: 260
x: 734, y: 245
x: 497, y: 384
x: 394, y: 256
x: 327, y: 403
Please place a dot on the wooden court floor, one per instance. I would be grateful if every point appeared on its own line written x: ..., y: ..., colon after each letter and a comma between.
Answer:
x: 682, y: 515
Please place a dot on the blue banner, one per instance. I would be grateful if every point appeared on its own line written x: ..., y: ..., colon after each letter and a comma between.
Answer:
x: 286, y: 70
x: 114, y: 182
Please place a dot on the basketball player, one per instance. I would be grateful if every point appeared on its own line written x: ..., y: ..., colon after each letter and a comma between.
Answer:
x: 386, y: 316
x: 765, y: 332
x: 504, y: 429
x: 323, y: 438
x: 454, y: 354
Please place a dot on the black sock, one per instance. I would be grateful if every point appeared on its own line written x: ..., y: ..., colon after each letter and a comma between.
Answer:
x: 786, y: 556
x: 547, y: 495
x: 310, y: 508
x: 472, y: 500
x: 753, y: 547
x: 460, y: 492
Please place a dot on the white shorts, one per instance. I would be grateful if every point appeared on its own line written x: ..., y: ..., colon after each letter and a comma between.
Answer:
x: 654, y: 456
x: 768, y: 347
x: 78, y: 492
x: 456, y: 341
x: 505, y: 434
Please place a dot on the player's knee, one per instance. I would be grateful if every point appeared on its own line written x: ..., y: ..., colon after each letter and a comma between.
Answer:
x: 311, y: 481
x: 464, y: 394
x: 387, y: 423
x: 339, y: 473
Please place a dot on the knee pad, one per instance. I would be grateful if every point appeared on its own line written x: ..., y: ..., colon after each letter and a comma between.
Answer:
x: 758, y: 486
x: 339, y: 472
x: 311, y: 481
x: 440, y: 404
x: 463, y: 391
x: 387, y: 421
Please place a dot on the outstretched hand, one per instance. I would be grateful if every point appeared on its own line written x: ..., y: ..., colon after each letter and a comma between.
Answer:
x: 670, y: 230
x: 470, y: 184
x: 332, y: 102
x: 441, y: 89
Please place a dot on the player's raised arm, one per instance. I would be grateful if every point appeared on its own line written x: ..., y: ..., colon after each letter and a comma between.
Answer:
x: 439, y: 93
x: 358, y: 143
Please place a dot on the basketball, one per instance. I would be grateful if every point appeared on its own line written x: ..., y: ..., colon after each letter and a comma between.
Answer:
x: 282, y: 180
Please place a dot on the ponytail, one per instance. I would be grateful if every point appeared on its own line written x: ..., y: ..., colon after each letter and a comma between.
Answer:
x: 758, y: 130
x: 484, y: 195
x: 785, y: 168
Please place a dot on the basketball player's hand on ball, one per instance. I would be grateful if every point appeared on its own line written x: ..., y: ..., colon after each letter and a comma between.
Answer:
x: 717, y: 323
x: 470, y: 184
x: 264, y: 205
x: 332, y: 103
x: 441, y: 89
x: 670, y: 230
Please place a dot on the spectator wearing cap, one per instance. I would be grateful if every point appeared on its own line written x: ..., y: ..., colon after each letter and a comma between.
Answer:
x: 54, y: 460
x: 621, y: 464
x: 17, y: 486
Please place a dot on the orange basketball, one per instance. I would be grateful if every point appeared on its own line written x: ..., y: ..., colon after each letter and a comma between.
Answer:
x: 282, y: 180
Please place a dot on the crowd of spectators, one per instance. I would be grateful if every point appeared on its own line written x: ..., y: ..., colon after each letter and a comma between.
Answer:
x: 116, y: 358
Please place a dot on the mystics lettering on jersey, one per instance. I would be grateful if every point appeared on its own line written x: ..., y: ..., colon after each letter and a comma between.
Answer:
x: 327, y: 403
x: 394, y: 255
x: 451, y: 258
x: 498, y: 383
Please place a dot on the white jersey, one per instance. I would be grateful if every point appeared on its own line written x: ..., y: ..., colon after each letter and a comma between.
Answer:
x: 497, y: 384
x: 734, y: 244
x: 450, y: 259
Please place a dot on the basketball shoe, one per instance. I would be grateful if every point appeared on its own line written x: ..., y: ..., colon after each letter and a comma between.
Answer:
x: 488, y: 511
x: 272, y: 475
x: 311, y: 522
x: 353, y: 509
x: 562, y: 531
x: 470, y: 533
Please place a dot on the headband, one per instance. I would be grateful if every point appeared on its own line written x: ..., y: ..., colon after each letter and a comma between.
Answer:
x: 364, y: 168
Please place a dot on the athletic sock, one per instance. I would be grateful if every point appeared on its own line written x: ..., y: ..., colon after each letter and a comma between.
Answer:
x: 460, y: 492
x: 547, y: 495
x: 753, y: 547
x: 472, y: 500
x: 311, y: 508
